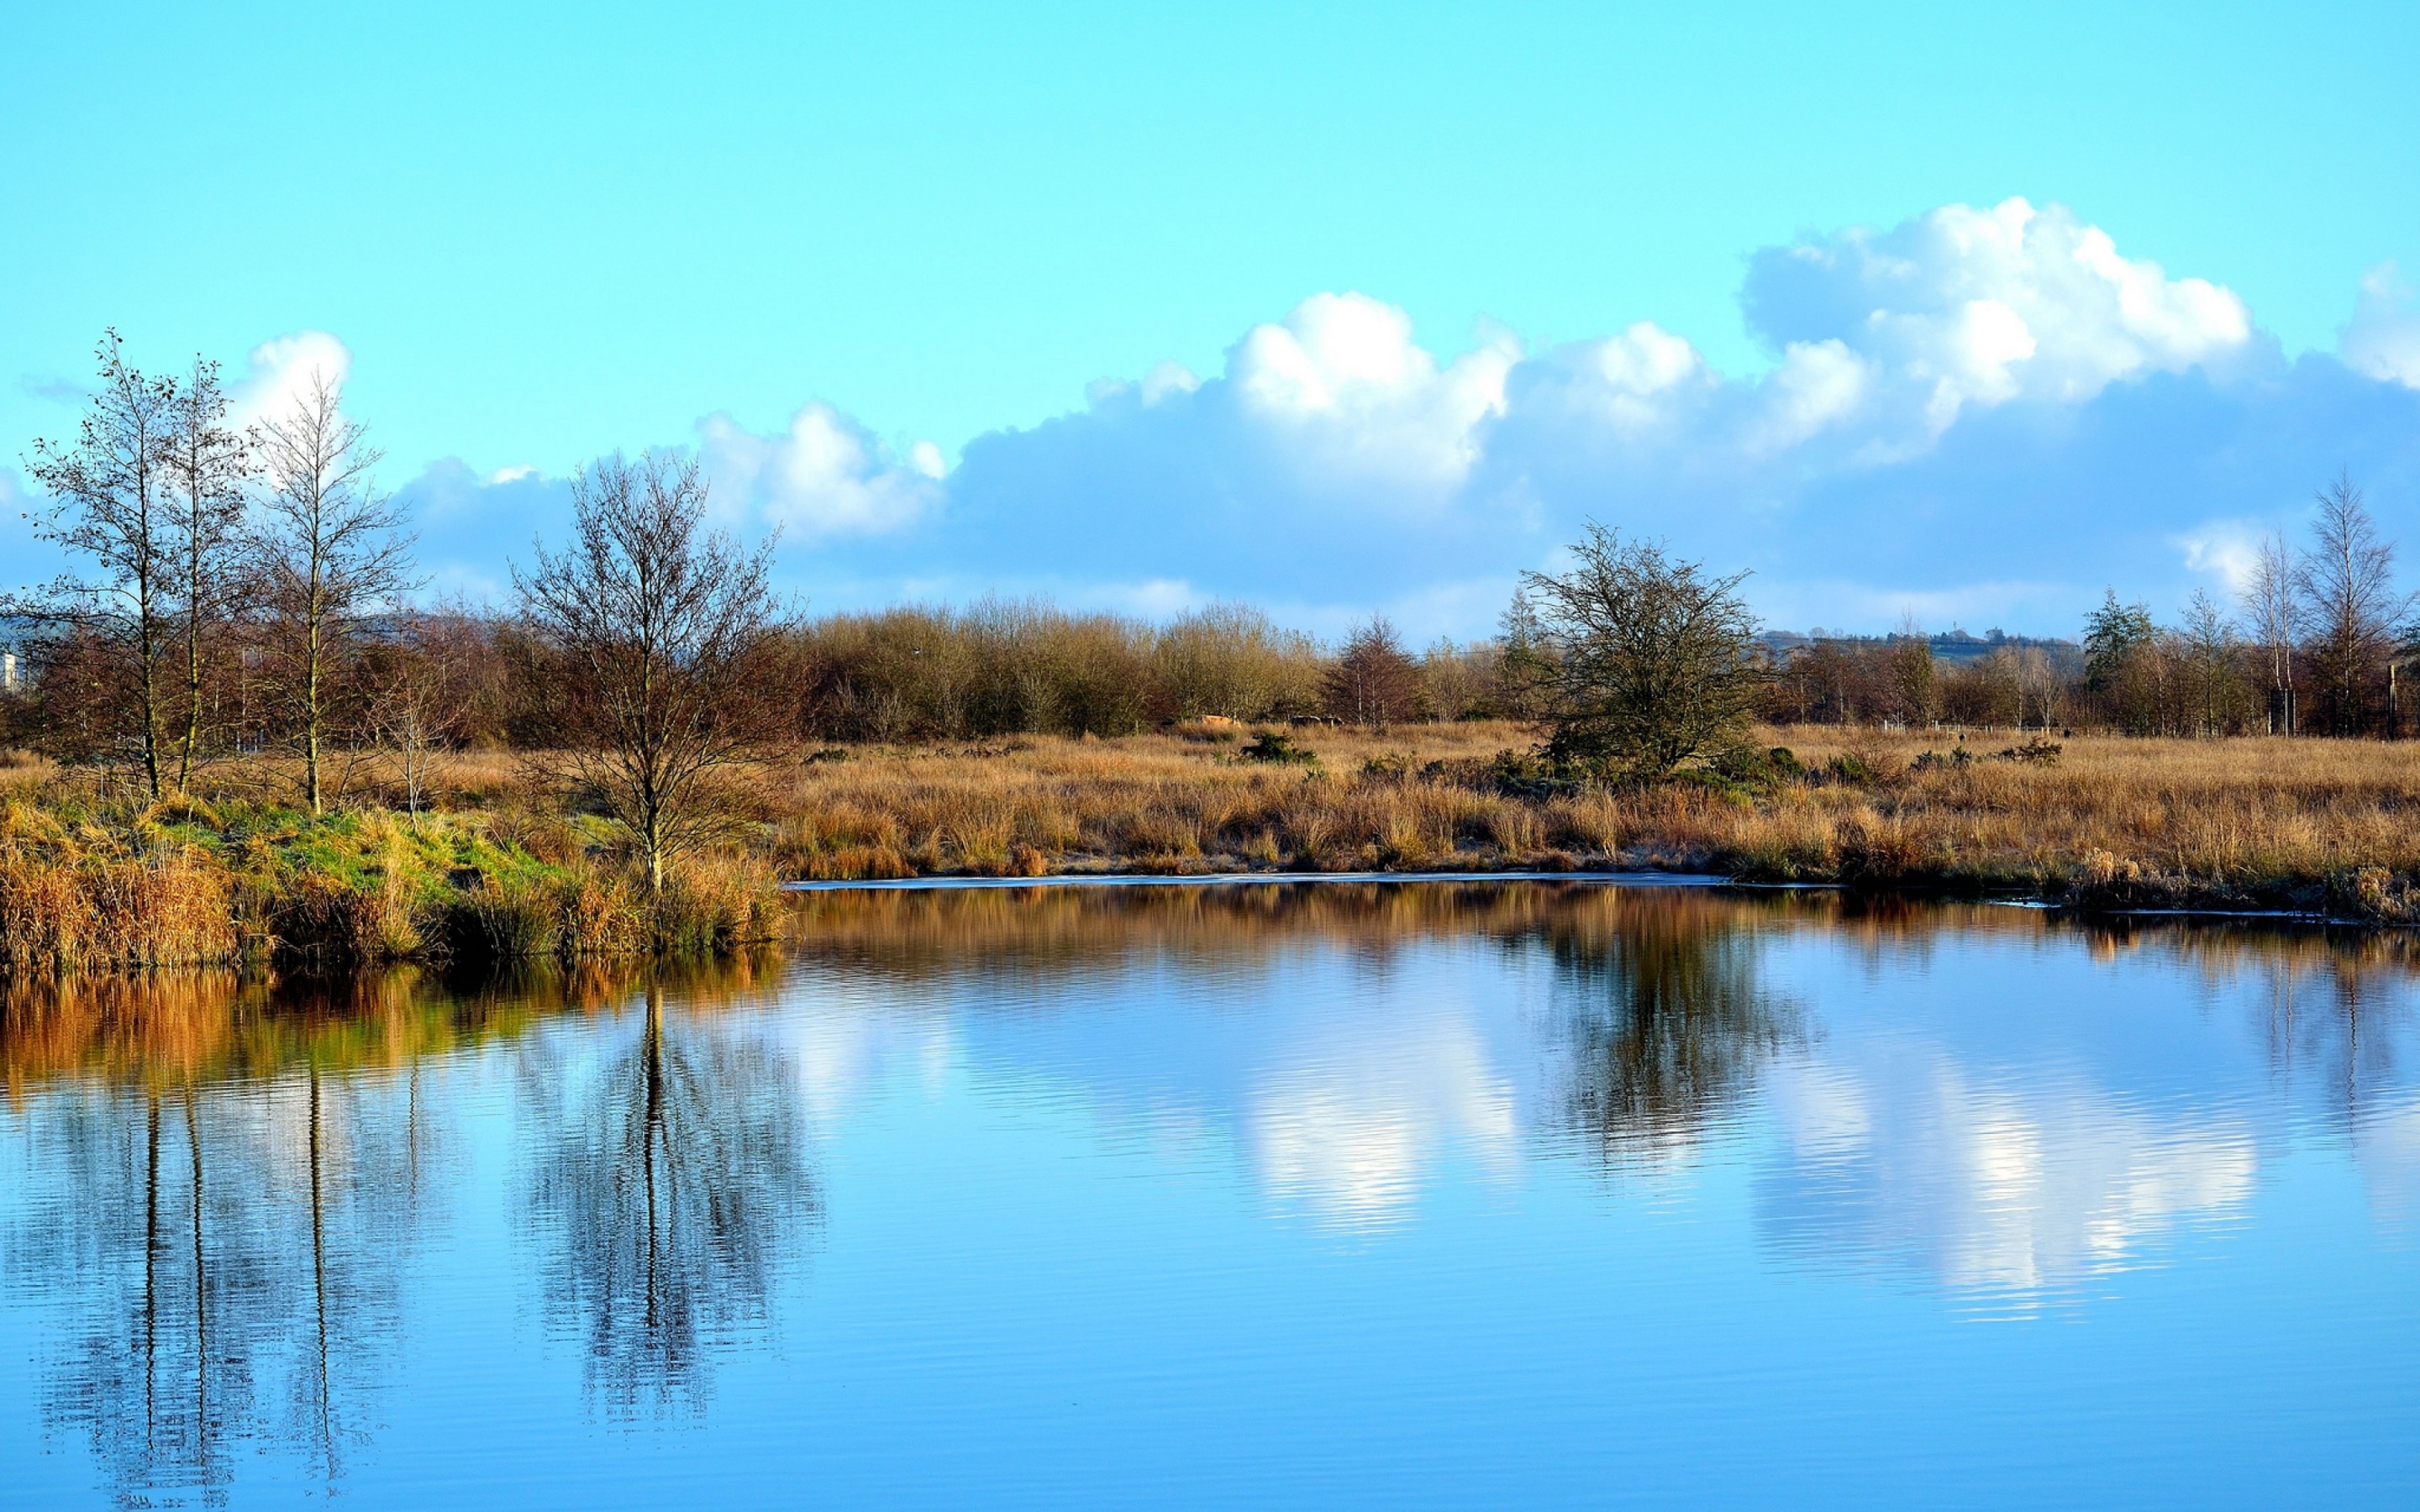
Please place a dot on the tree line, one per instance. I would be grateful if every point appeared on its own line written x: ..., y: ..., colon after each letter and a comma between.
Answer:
x: 2317, y: 640
x: 247, y: 590
x: 244, y: 589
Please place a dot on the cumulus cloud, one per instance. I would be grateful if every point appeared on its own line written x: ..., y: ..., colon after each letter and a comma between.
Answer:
x: 1977, y: 307
x: 2383, y: 339
x: 827, y: 475
x: 1982, y: 414
x: 1349, y: 399
x: 281, y: 371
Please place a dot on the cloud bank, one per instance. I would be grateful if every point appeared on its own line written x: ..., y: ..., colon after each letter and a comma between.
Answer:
x: 1982, y: 415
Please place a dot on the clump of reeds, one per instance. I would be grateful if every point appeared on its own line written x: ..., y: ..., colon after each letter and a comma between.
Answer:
x: 714, y: 903
x: 62, y: 912
x: 711, y: 904
x: 505, y: 919
x: 331, y: 918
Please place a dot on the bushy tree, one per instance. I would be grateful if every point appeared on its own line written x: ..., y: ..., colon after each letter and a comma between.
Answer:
x: 1646, y: 663
x: 1231, y: 660
x: 2117, y: 643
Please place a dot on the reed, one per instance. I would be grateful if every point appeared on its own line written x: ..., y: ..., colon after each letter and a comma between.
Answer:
x: 67, y: 909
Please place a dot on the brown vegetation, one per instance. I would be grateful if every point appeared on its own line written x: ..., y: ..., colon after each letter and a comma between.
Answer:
x: 2101, y: 821
x: 2109, y: 821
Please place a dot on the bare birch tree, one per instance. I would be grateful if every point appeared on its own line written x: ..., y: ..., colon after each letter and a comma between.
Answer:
x: 2273, y: 610
x: 2348, y: 590
x: 208, y: 466
x: 109, y: 504
x: 332, y: 554
x: 653, y: 626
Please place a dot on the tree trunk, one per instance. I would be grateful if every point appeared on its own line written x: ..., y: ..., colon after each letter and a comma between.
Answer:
x: 311, y: 695
x: 193, y: 654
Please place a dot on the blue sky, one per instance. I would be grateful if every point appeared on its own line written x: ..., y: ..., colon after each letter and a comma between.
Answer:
x: 531, y: 236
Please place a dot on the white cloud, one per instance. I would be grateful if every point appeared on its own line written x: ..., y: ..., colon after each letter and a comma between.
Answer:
x: 1156, y: 598
x: 1967, y: 307
x: 826, y: 475
x: 281, y: 371
x: 1820, y: 383
x: 1164, y: 381
x: 1985, y: 415
x: 2227, y: 550
x: 2383, y: 339
x: 1167, y: 379
x: 1633, y: 382
x: 1343, y: 387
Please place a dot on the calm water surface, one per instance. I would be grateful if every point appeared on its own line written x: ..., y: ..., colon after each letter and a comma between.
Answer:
x: 1418, y: 1196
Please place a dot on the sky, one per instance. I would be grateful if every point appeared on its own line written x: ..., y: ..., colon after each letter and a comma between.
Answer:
x: 1963, y: 313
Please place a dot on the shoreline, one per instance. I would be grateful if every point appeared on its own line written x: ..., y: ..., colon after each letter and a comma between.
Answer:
x: 1631, y: 877
x: 503, y: 863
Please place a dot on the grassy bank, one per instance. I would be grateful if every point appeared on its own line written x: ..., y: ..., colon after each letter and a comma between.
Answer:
x: 87, y: 882
x: 509, y: 868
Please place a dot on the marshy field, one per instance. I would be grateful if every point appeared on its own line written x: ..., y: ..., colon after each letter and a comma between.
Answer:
x: 503, y: 863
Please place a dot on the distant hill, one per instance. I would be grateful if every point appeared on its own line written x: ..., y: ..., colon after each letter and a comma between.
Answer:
x: 1959, y: 648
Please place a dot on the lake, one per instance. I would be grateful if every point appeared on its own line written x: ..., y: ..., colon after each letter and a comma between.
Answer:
x: 1433, y: 1194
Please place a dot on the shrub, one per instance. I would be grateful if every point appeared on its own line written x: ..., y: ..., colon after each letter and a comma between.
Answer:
x: 1275, y: 746
x: 2035, y: 752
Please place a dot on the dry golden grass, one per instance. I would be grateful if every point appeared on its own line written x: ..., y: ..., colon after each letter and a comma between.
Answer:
x: 2122, y: 820
x: 2307, y: 824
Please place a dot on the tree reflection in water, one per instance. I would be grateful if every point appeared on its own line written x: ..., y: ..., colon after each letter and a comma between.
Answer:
x: 1667, y: 1019
x: 673, y: 1189
x: 226, y: 1179
x: 227, y: 1244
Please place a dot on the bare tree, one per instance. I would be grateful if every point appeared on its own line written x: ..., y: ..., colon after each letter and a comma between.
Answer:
x: 2348, y: 591
x: 1646, y: 662
x: 1374, y: 681
x: 654, y: 626
x: 2273, y: 607
x: 2038, y: 683
x: 109, y: 503
x: 416, y: 705
x: 1231, y: 659
x: 209, y: 465
x: 2209, y: 645
x: 333, y: 551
